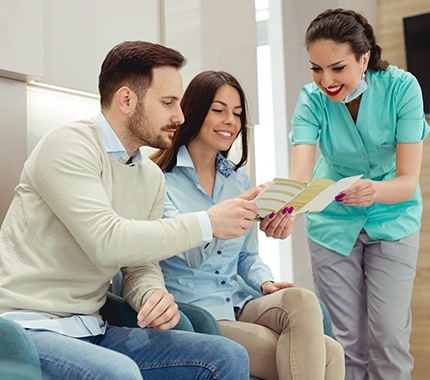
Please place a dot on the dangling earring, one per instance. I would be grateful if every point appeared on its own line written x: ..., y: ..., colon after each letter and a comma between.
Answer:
x: 363, y: 76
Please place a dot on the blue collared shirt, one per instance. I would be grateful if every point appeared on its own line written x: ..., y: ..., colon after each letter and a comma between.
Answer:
x: 207, y: 275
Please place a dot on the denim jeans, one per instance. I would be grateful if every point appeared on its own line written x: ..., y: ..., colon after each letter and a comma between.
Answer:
x: 124, y: 353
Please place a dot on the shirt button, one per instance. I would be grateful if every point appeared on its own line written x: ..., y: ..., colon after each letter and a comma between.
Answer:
x: 219, y: 252
x: 222, y: 282
x: 217, y: 272
x: 227, y: 299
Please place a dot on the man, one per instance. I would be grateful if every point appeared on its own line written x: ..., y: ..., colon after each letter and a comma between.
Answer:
x: 89, y: 204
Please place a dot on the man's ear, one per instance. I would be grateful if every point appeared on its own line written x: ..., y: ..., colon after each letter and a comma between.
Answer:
x: 126, y: 100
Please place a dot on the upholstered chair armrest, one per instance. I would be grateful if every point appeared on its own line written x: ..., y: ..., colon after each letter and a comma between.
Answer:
x: 17, y: 347
x: 117, y: 312
x: 201, y: 319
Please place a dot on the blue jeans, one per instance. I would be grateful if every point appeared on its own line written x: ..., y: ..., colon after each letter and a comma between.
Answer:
x: 134, y: 353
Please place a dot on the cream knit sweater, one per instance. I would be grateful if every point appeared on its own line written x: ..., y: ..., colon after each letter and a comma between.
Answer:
x: 79, y: 215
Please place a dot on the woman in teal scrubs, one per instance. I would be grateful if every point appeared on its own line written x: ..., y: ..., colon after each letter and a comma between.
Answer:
x: 368, y: 119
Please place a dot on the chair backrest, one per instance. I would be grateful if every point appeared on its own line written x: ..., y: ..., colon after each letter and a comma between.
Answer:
x: 247, y: 288
x: 116, y: 284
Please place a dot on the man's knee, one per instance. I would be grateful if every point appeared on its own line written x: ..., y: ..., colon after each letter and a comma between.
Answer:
x: 119, y: 370
x: 232, y: 350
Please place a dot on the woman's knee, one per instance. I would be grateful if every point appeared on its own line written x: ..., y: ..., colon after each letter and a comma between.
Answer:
x: 296, y: 306
x: 335, y: 362
x: 299, y: 299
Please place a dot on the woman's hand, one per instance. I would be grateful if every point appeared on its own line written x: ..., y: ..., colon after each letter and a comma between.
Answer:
x: 361, y: 193
x: 269, y: 287
x: 278, y: 226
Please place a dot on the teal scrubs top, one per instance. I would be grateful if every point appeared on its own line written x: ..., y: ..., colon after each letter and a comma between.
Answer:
x: 391, y: 111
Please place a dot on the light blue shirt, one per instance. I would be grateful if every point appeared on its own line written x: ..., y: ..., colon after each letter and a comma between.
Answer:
x: 207, y: 276
x: 89, y: 325
x: 391, y: 112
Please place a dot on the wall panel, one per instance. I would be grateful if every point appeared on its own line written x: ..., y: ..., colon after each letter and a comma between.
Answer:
x: 391, y: 39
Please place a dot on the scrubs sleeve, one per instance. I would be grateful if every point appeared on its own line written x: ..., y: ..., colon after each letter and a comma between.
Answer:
x: 306, y: 119
x: 411, y: 125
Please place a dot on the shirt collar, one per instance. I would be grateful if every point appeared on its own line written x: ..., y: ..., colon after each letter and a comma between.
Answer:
x: 224, y: 166
x: 113, y: 144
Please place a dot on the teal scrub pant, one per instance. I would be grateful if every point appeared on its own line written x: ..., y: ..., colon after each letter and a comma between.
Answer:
x: 368, y: 295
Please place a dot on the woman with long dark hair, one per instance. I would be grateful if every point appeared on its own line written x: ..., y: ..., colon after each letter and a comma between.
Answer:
x: 282, y: 331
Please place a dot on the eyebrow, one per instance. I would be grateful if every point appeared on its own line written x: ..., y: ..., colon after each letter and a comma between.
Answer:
x: 225, y: 104
x: 331, y: 65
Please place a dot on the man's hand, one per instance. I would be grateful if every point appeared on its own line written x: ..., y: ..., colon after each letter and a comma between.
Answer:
x: 278, y: 226
x: 232, y: 217
x: 250, y: 194
x: 159, y: 311
x: 269, y: 287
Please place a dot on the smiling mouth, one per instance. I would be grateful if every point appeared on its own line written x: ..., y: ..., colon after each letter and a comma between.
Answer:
x: 224, y: 134
x: 333, y: 91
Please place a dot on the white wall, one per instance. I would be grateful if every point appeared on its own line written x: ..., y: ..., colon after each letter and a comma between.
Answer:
x: 13, y: 137
x: 79, y: 33
x: 21, y: 58
x: 216, y: 35
x: 21, y: 41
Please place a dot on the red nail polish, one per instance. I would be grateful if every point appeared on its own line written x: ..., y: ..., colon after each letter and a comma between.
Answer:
x: 285, y: 210
x: 271, y: 216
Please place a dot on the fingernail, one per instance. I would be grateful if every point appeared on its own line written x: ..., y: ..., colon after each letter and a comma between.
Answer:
x: 285, y: 210
x: 339, y: 197
x: 290, y: 211
x: 272, y: 215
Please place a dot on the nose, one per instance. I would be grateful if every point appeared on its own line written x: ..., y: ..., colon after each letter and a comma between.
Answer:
x: 178, y: 116
x: 326, y: 79
x: 229, y: 119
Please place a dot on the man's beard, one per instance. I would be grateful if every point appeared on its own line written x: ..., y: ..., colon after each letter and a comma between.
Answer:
x: 144, y: 133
